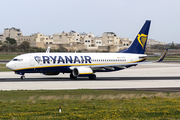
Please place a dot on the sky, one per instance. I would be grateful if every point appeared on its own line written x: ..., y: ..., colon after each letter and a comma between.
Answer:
x: 123, y: 17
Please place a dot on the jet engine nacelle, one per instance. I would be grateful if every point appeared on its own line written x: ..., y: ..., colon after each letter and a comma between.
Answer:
x: 82, y: 71
x: 51, y: 73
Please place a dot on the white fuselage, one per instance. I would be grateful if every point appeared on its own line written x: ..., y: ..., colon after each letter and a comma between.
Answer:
x: 51, y: 60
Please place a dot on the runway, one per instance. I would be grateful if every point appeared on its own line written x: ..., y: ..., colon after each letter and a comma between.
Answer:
x: 147, y: 77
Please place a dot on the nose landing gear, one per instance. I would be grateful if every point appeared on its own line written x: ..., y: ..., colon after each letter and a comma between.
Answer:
x: 22, y: 75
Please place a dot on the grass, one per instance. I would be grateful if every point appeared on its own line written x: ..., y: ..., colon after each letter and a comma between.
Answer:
x: 3, y: 68
x: 7, y: 56
x: 89, y: 104
x: 167, y: 58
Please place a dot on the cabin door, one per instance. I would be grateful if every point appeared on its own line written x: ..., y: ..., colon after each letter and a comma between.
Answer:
x: 131, y: 58
x: 32, y: 61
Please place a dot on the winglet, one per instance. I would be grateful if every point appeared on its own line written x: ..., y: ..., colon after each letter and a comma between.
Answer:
x: 163, y: 56
x: 48, y: 50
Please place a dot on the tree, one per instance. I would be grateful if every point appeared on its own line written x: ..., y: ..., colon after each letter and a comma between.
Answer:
x: 157, y: 46
x: 172, y: 46
x: 0, y: 43
x: 10, y: 40
x: 24, y: 45
x: 4, y: 48
x: 12, y: 48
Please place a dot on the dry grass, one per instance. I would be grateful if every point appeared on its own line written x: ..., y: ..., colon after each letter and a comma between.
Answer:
x: 106, y: 96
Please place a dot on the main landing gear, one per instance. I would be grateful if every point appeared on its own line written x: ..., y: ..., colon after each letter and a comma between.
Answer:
x: 92, y: 77
x: 72, y: 76
x: 22, y: 77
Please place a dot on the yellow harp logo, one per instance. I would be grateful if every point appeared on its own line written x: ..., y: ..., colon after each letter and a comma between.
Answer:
x: 142, y: 39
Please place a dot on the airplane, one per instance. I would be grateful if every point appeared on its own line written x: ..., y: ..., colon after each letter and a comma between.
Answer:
x: 83, y: 64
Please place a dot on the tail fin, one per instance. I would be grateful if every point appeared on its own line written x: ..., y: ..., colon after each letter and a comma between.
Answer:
x: 139, y: 44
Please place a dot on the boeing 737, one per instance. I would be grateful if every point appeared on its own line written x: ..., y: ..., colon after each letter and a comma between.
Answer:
x: 82, y: 64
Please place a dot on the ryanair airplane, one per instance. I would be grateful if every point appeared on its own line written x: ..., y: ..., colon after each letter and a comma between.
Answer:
x: 82, y: 64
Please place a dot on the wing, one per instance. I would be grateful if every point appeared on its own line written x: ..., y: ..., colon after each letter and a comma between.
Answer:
x: 113, y: 66
x: 125, y: 65
x: 120, y: 66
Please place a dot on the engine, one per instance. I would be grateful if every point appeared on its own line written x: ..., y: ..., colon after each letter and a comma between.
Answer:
x: 82, y: 71
x: 51, y: 73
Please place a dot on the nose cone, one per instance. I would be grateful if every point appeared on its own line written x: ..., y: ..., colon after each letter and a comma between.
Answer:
x: 9, y: 65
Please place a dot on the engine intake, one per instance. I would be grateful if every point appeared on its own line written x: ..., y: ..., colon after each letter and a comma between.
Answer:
x: 82, y: 71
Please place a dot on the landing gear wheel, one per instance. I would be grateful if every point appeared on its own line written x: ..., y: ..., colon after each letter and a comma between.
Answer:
x: 22, y: 77
x: 92, y: 77
x: 72, y: 76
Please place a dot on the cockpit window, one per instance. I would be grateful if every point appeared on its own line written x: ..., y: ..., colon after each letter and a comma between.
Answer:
x: 15, y: 59
x: 18, y: 60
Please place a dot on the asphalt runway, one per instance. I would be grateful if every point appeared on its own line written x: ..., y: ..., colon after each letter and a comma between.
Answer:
x: 86, y: 79
x: 4, y: 61
x: 146, y: 77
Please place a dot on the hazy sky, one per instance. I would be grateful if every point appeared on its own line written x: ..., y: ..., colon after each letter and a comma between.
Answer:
x: 124, y: 17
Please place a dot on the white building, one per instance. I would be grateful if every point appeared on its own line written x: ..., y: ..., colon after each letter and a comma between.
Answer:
x: 66, y: 38
x: 98, y: 41
x: 11, y: 33
x: 125, y: 42
x: 89, y: 40
x: 109, y: 38
x: 1, y: 37
x: 154, y: 42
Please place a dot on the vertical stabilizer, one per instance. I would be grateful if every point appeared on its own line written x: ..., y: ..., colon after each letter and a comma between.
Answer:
x: 138, y: 46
